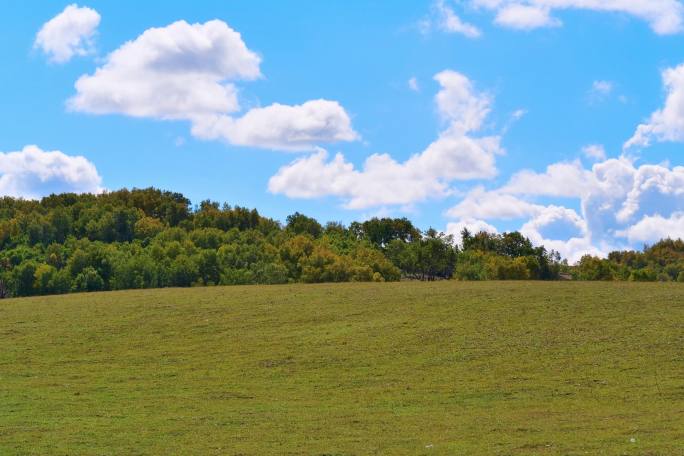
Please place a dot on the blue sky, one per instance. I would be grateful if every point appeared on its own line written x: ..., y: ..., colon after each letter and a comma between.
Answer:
x: 500, y: 90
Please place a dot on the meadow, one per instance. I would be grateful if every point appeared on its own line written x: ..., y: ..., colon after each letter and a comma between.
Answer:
x: 409, y: 368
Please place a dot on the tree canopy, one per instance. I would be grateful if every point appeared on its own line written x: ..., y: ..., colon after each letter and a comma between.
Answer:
x: 147, y: 238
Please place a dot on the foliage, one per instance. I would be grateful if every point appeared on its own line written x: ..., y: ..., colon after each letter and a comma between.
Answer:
x: 507, y: 256
x: 149, y: 238
x: 662, y: 262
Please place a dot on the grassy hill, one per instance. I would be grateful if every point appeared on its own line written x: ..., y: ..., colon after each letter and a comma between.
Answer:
x: 349, y: 369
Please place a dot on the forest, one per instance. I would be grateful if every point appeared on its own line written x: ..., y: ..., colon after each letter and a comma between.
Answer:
x: 149, y: 238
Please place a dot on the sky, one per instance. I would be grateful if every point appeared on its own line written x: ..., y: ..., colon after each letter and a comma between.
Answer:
x: 563, y: 119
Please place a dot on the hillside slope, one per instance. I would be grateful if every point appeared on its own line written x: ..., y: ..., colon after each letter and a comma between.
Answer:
x: 405, y: 368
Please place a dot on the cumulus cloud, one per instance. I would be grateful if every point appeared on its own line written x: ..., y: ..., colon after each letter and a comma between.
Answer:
x: 563, y: 230
x: 655, y: 188
x: 666, y: 124
x: 601, y: 191
x: 473, y: 225
x: 174, y: 72
x: 559, y: 179
x: 622, y: 205
x: 188, y: 72
x: 555, y: 222
x: 459, y: 103
x: 555, y: 227
x: 663, y: 16
x: 651, y: 229
x: 281, y: 127
x: 455, y: 155
x: 494, y: 205
x: 68, y: 34
x: 32, y: 173
x: 624, y: 199
x: 384, y: 181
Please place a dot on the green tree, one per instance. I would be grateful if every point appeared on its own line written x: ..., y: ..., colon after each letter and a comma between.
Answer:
x: 88, y: 280
x: 24, y: 278
x: 301, y: 224
x: 183, y: 272
x: 147, y: 228
x: 592, y: 268
x: 44, y: 279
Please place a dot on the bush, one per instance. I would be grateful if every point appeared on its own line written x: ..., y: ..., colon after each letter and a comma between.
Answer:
x: 44, y: 278
x: 271, y: 273
x: 183, y: 272
x: 592, y: 268
x: 24, y: 278
x: 643, y: 275
x: 138, y: 271
x: 88, y: 280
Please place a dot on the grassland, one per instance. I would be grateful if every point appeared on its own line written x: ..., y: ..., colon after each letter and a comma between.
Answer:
x: 352, y: 369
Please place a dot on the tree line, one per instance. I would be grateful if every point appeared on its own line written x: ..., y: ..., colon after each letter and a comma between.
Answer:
x: 149, y: 238
x: 661, y: 262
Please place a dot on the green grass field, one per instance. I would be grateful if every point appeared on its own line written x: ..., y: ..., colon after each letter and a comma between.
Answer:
x: 353, y: 369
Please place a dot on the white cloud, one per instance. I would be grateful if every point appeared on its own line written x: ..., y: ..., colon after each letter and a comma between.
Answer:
x: 481, y: 204
x: 32, y: 173
x: 594, y: 152
x: 281, y: 127
x: 69, y: 33
x: 656, y: 189
x: 560, y: 179
x: 454, y: 155
x: 555, y: 222
x: 621, y: 205
x: 626, y: 199
x: 525, y: 17
x: 187, y: 72
x: 449, y: 22
x: 563, y: 230
x: 174, y: 72
x: 473, y: 225
x: 459, y: 104
x: 666, y: 124
x: 555, y: 227
x: 383, y: 180
x: 651, y: 229
x: 601, y: 191
x: 604, y: 196
x: 664, y: 16
x: 413, y: 84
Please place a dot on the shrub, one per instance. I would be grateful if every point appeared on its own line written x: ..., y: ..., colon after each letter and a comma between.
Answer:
x: 88, y: 280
